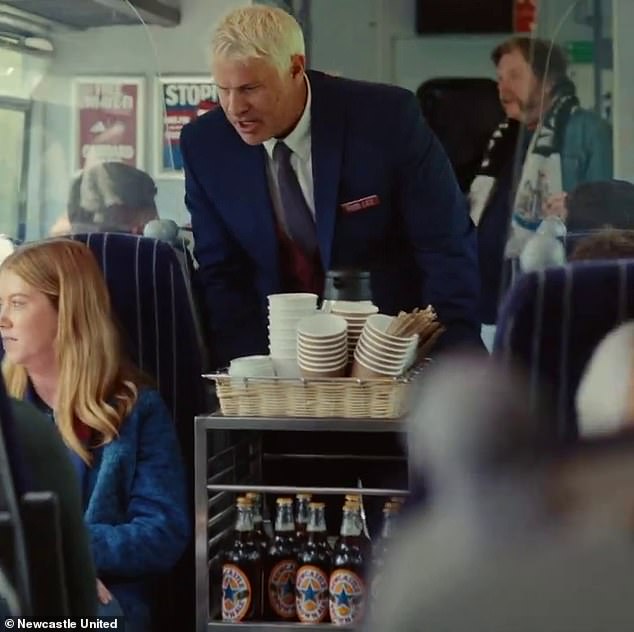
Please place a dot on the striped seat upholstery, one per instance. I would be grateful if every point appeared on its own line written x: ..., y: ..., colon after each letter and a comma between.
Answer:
x: 551, y: 321
x: 151, y: 300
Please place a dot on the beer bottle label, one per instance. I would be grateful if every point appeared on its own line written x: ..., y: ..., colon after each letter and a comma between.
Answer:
x: 312, y: 594
x: 347, y: 597
x: 281, y: 588
x: 236, y: 593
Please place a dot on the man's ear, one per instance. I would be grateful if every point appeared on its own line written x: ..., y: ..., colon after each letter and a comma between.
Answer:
x: 298, y: 65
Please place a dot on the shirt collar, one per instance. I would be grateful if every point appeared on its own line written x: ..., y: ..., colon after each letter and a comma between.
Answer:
x: 298, y: 140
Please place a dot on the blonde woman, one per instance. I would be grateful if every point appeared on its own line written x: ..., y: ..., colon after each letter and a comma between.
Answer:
x: 62, y: 352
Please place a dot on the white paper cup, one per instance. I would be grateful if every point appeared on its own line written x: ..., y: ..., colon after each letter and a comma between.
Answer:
x: 322, y: 343
x: 375, y: 367
x: 376, y: 329
x: 354, y: 308
x: 381, y: 358
x: 327, y: 359
x: 322, y: 326
x: 327, y: 347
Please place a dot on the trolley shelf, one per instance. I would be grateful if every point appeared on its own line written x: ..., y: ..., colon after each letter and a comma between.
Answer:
x: 217, y: 421
x: 228, y: 459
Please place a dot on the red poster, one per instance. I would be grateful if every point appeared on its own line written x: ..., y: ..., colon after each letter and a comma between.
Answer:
x: 525, y: 16
x: 108, y: 122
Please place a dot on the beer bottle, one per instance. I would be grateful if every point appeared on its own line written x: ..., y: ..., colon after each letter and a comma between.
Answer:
x: 242, y: 570
x: 258, y: 524
x: 301, y: 516
x: 347, y: 585
x: 354, y: 502
x: 281, y: 565
x: 314, y: 564
x: 390, y: 513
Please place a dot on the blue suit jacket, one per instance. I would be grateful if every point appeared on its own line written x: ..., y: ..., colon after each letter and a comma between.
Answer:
x: 367, y: 139
x: 136, y: 507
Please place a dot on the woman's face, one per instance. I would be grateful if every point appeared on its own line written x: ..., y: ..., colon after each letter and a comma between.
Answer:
x: 28, y: 322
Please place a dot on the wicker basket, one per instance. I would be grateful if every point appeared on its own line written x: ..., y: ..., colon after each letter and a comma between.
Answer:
x: 333, y: 397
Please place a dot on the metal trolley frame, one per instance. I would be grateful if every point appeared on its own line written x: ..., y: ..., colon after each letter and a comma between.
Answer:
x: 232, y: 463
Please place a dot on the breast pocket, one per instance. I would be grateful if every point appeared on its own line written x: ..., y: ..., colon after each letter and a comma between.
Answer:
x: 359, y: 234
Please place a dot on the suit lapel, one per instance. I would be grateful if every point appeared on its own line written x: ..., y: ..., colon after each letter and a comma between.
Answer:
x: 327, y: 127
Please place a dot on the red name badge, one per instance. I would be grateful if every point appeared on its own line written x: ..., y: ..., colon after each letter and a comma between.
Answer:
x: 362, y: 203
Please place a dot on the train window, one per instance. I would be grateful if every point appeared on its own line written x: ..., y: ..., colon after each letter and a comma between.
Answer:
x: 12, y: 131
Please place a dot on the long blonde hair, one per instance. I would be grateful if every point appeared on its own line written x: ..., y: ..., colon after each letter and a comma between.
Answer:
x: 97, y: 386
x: 258, y: 31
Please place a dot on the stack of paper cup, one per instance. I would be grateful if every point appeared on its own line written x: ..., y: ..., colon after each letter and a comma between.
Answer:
x: 355, y: 313
x: 379, y: 354
x: 322, y: 346
x: 285, y: 311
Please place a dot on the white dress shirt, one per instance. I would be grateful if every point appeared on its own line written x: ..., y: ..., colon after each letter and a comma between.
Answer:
x: 299, y: 142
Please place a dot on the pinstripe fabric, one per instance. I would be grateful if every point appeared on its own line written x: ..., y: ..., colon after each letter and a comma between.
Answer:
x: 623, y: 295
x: 536, y: 335
x: 137, y: 287
x: 151, y: 301
x: 551, y: 321
x: 566, y: 321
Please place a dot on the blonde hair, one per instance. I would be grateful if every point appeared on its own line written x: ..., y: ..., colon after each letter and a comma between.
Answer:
x: 258, y: 32
x: 97, y: 385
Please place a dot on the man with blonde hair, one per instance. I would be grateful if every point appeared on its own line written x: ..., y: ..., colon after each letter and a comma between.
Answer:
x: 300, y: 172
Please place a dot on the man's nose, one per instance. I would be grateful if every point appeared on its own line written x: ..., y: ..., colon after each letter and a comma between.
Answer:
x: 503, y: 87
x: 237, y: 104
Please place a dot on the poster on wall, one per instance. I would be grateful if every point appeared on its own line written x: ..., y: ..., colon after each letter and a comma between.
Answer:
x: 180, y: 100
x: 108, y: 120
x: 524, y: 16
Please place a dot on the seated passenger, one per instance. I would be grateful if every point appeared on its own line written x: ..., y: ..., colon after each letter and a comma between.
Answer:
x: 62, y: 352
x: 109, y: 197
x: 594, y: 205
x: 608, y: 243
x: 49, y: 469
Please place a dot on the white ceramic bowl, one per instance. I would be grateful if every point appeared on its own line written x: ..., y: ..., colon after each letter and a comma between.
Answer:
x: 252, y: 366
x: 293, y: 300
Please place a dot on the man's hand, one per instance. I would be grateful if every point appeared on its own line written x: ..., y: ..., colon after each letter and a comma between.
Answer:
x: 103, y: 594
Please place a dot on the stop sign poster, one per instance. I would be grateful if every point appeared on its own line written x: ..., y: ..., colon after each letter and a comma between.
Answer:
x: 108, y: 120
x: 181, y: 100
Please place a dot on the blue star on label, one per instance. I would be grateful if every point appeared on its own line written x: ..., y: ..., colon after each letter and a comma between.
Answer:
x: 342, y: 598
x: 229, y: 593
x: 310, y: 594
x: 288, y: 587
